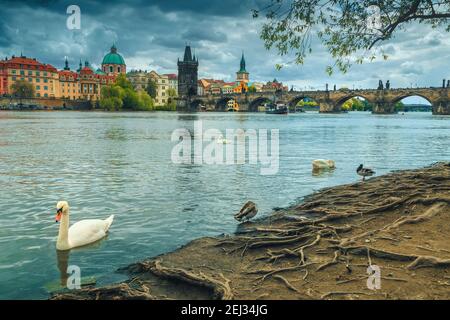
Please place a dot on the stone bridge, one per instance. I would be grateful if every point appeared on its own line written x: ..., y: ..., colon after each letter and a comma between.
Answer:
x: 383, y: 101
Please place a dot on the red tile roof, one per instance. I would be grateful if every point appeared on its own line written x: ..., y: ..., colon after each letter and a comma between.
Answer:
x: 86, y: 70
x: 171, y: 76
x: 28, y: 63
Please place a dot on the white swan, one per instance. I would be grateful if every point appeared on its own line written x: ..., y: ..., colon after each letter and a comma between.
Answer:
x: 81, y: 233
x: 321, y: 164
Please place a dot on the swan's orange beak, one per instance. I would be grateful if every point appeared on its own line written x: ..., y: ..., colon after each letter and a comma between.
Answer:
x: 58, y: 215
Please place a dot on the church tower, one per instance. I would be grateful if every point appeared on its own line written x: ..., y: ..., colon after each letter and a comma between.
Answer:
x: 242, y: 76
x: 187, y: 74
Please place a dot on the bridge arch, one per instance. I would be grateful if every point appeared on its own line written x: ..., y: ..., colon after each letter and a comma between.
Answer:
x: 340, y: 103
x: 412, y: 94
x: 222, y: 103
x: 292, y: 104
x: 254, y: 104
x: 422, y: 97
x: 196, y: 105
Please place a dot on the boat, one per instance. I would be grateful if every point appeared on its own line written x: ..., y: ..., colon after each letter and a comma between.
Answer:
x: 278, y: 108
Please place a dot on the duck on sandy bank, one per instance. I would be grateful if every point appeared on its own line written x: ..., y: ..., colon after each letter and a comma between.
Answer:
x: 248, y: 211
x: 364, y: 172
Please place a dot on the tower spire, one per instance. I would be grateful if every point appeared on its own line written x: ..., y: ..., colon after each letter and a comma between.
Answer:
x: 66, y: 64
x: 187, y: 54
x: 242, y: 63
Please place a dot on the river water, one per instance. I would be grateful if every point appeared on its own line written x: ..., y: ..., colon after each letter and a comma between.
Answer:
x: 120, y: 163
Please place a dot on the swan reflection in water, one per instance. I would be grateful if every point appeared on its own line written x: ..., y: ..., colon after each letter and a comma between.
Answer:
x: 63, y: 257
x: 63, y: 264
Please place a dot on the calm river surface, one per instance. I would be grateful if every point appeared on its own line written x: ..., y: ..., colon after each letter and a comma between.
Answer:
x: 120, y: 163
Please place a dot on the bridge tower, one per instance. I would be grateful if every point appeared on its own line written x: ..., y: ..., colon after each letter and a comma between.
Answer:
x: 187, y: 77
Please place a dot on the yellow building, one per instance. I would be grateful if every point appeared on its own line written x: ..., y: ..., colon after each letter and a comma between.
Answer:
x: 232, y: 105
x: 162, y: 88
x: 69, y: 86
x: 44, y: 77
x: 84, y: 84
x: 240, y: 87
x: 140, y: 80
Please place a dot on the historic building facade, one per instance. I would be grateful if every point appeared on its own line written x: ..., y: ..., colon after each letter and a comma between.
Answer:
x: 113, y: 63
x: 85, y: 83
x: 44, y: 77
x: 140, y: 80
x: 69, y: 85
x: 162, y: 88
x: 187, y: 74
x: 173, y: 81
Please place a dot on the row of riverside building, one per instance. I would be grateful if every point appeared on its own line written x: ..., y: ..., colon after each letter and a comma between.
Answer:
x: 85, y: 83
x: 189, y: 85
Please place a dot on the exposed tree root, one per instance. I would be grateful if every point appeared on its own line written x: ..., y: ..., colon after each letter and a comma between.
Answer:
x: 287, y: 283
x: 116, y: 292
x: 221, y: 289
x: 270, y: 272
x: 328, y: 264
x: 428, y: 261
x: 359, y: 293
x: 363, y: 250
x: 435, y: 209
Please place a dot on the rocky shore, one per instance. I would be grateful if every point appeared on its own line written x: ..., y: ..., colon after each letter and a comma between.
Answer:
x: 319, y: 249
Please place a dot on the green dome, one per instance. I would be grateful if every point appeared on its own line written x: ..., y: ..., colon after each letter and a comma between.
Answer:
x: 113, y: 57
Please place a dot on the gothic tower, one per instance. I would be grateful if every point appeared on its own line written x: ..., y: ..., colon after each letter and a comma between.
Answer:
x: 242, y: 75
x: 187, y: 74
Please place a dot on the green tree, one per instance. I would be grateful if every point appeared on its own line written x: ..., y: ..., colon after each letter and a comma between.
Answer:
x: 346, y: 28
x: 112, y: 91
x: 22, y: 89
x: 146, y: 102
x: 252, y: 89
x: 171, y: 102
x: 151, y: 89
x: 130, y: 99
x: 111, y: 103
x: 400, y: 107
x: 353, y: 104
x: 367, y: 106
x: 123, y: 82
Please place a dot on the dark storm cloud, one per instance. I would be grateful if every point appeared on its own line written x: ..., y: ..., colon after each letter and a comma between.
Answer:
x: 152, y: 35
x: 199, y: 34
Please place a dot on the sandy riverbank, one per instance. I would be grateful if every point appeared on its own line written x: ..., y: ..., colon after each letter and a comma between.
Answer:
x: 319, y: 249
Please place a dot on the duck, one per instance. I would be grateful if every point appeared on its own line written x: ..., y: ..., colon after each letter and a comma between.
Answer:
x: 364, y: 172
x: 248, y: 211
x: 321, y: 164
x: 81, y: 233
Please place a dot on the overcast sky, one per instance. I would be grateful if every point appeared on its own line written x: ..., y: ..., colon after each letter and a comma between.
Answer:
x: 152, y: 35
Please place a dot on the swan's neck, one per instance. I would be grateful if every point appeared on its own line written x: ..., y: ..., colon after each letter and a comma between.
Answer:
x: 63, y: 236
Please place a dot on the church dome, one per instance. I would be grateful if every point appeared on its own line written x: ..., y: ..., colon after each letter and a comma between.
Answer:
x: 113, y: 57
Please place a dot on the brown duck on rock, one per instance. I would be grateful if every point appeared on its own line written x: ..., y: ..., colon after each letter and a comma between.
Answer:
x: 248, y: 211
